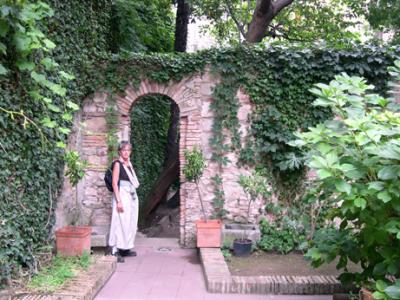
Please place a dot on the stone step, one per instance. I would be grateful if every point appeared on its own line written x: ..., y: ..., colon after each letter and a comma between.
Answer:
x: 100, y: 236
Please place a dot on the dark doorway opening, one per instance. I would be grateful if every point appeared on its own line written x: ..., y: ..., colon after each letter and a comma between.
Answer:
x: 155, y: 156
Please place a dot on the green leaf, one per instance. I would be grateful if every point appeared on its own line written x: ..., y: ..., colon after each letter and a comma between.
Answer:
x: 67, y: 117
x: 22, y: 42
x: 49, y: 44
x: 4, y: 28
x: 47, y: 100
x: 390, y: 152
x: 324, y: 148
x: 392, y: 269
x: 39, y: 78
x: 376, y: 185
x: 346, y: 167
x: 384, y: 196
x: 56, y: 88
x: 25, y: 65
x: 324, y: 173
x: 3, y: 48
x: 72, y: 105
x: 378, y: 295
x: 66, y: 75
x: 360, y: 202
x: 355, y: 174
x: 343, y: 186
x: 332, y: 158
x: 393, y: 292
x: 54, y: 108
x: 61, y: 145
x: 49, y: 123
x: 3, y: 71
x: 64, y: 130
x: 388, y: 172
x: 381, y: 285
x: 49, y: 63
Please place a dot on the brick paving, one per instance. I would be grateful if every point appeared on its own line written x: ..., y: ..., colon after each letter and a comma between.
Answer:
x: 162, y: 271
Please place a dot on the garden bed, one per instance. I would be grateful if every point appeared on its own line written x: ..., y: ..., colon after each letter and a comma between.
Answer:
x: 264, y: 264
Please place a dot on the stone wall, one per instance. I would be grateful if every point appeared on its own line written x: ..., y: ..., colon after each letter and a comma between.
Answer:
x: 193, y: 96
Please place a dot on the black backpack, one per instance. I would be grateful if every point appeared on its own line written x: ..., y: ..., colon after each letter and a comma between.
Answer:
x: 108, y: 178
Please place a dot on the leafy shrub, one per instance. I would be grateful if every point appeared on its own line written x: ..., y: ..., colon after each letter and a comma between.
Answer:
x: 195, y: 164
x: 280, y: 237
x: 357, y: 159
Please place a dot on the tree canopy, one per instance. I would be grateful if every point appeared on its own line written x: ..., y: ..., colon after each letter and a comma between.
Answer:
x: 146, y: 25
x: 235, y: 21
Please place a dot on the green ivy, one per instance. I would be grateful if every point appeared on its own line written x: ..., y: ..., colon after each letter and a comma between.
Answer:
x: 150, y: 118
x: 38, y: 98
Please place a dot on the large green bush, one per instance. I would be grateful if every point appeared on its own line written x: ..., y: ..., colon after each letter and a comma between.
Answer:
x: 357, y: 158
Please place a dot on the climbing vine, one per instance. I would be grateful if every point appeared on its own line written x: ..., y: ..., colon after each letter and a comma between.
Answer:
x: 149, y: 141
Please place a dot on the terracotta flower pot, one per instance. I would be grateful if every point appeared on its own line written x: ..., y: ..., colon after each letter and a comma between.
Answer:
x: 208, y: 234
x: 73, y: 240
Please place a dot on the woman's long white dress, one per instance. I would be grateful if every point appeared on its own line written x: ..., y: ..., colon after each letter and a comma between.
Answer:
x: 124, y: 225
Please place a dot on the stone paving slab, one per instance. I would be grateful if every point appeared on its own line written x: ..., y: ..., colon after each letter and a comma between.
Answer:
x: 163, y: 270
x: 219, y: 280
x: 84, y: 286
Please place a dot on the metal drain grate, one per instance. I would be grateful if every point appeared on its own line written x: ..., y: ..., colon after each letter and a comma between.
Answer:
x: 164, y: 249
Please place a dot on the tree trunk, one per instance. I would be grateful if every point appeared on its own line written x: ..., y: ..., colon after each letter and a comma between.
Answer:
x: 181, y: 26
x: 262, y: 17
x: 171, y: 166
x: 114, y: 30
x: 172, y: 140
x: 160, y: 188
x: 265, y: 12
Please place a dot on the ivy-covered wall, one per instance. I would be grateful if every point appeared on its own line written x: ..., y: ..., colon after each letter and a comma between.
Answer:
x: 277, y: 80
x: 31, y: 169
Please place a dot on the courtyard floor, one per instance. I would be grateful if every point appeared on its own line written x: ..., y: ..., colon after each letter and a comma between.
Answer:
x: 163, y: 270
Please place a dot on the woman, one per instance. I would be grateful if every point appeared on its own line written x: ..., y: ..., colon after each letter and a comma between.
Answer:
x: 125, y: 205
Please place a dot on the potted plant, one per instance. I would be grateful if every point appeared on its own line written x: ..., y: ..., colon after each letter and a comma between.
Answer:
x: 74, y: 239
x: 245, y: 234
x: 208, y: 231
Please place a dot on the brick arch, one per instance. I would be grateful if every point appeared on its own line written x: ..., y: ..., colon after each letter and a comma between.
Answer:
x: 193, y: 96
x: 189, y: 126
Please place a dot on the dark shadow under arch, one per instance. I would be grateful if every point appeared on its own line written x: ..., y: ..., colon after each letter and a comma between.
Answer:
x: 155, y: 139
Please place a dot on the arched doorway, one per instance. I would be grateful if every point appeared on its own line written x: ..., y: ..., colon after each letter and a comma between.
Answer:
x: 155, y: 139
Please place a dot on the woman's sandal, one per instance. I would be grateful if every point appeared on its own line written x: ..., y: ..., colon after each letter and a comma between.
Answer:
x: 120, y: 259
x: 128, y: 253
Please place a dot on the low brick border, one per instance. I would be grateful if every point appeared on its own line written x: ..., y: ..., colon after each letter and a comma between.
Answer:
x: 84, y: 286
x: 219, y: 280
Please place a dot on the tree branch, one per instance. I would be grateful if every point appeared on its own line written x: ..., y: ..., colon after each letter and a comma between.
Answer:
x: 264, y: 6
x: 238, y: 25
x: 280, y: 4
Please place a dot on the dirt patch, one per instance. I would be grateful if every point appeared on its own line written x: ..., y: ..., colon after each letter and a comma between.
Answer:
x: 265, y: 264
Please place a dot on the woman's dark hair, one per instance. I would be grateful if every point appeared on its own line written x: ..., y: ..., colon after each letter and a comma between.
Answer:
x: 123, y: 144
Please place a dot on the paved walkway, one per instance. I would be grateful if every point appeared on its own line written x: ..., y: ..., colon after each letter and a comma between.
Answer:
x: 164, y: 271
